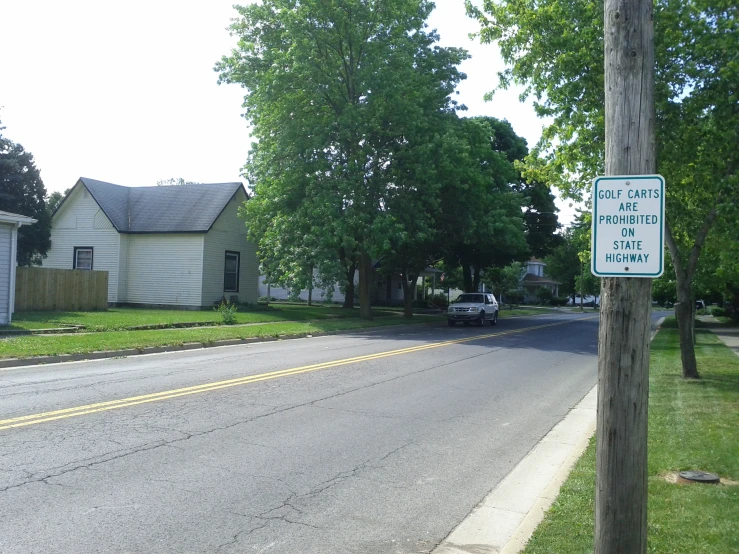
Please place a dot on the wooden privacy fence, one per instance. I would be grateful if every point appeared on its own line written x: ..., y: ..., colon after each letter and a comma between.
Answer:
x: 42, y: 288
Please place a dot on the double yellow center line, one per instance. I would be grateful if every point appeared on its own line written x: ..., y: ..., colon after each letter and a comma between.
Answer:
x: 35, y: 419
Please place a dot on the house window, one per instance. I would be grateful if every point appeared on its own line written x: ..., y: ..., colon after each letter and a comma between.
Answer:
x: 82, y: 257
x: 231, y: 272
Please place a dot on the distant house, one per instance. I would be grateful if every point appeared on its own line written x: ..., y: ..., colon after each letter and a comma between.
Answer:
x: 533, y: 280
x: 385, y: 290
x: 9, y: 225
x: 177, y: 246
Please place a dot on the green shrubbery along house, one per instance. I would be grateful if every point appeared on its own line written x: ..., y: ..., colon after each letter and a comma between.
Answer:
x: 177, y: 246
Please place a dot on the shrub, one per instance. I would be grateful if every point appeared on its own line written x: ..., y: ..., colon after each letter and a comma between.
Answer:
x: 514, y: 296
x: 719, y: 312
x: 544, y: 295
x: 559, y: 300
x: 228, y: 312
x: 439, y: 300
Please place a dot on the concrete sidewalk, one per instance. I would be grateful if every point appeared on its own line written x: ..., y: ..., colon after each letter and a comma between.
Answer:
x: 503, y: 522
x: 729, y: 336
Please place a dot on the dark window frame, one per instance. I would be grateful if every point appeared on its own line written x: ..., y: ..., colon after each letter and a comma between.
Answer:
x: 238, y: 269
x: 92, y: 257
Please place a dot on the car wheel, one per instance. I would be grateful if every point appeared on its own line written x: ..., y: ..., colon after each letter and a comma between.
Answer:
x: 481, y: 321
x: 451, y: 323
x: 494, y: 321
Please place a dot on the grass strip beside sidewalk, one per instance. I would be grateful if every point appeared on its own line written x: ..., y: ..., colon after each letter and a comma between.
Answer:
x: 692, y: 425
x: 50, y: 345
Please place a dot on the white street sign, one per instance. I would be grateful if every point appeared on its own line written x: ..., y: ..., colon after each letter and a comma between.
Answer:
x: 628, y: 226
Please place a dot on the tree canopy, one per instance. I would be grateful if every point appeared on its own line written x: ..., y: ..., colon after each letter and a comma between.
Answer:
x: 22, y: 192
x: 555, y: 49
x: 338, y: 94
x: 482, y: 222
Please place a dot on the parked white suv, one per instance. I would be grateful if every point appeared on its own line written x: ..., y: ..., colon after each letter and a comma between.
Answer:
x: 473, y: 306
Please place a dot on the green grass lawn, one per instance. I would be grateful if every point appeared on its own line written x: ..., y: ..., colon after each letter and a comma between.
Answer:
x: 692, y: 425
x: 48, y: 345
x: 114, y: 329
x: 117, y: 319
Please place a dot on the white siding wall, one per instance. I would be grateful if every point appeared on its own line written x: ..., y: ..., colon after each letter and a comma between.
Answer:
x: 165, y: 269
x: 229, y: 233
x: 6, y: 267
x: 319, y: 295
x: 123, y: 269
x: 81, y: 222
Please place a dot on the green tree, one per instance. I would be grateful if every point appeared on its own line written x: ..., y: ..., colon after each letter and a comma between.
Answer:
x: 174, y: 181
x: 334, y: 90
x: 544, y: 295
x: 503, y: 280
x: 411, y: 210
x: 563, y: 264
x: 555, y: 49
x: 540, y: 219
x: 540, y: 212
x: 22, y: 192
x: 54, y: 200
x: 481, y: 222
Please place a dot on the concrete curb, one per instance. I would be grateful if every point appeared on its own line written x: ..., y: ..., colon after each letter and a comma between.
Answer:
x: 503, y: 522
x: 507, y: 517
x: 13, y: 363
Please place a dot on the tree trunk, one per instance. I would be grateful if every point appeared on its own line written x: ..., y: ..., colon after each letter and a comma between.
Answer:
x: 467, y: 277
x: 623, y: 336
x: 349, y: 288
x: 365, y: 286
x: 310, y: 286
x: 582, y: 285
x: 685, y: 305
x: 685, y: 322
x: 476, y: 279
x: 408, y: 282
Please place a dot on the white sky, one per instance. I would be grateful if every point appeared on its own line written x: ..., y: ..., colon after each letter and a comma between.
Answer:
x: 125, y: 92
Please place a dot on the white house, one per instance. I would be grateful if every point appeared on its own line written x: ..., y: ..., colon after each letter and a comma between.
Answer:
x: 178, y: 246
x: 9, y: 225
x: 533, y: 279
x: 386, y: 290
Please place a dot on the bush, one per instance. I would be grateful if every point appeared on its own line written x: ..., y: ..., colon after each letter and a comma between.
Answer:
x: 719, y: 312
x: 514, y: 296
x: 227, y: 311
x: 544, y: 295
x: 559, y: 300
x: 439, y: 300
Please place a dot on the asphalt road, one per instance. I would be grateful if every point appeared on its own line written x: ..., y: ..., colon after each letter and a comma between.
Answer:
x: 372, y: 442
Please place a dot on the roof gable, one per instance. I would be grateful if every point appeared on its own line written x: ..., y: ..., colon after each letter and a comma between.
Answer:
x: 168, y: 209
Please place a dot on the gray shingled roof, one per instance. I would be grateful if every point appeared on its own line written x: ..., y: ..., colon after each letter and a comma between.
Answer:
x: 170, y: 209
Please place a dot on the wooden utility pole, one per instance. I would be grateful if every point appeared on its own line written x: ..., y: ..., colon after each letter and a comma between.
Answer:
x: 623, y: 340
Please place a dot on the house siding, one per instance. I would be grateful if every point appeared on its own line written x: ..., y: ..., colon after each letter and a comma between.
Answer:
x: 318, y: 295
x: 7, y: 265
x: 123, y: 269
x: 229, y: 233
x: 81, y: 222
x: 165, y: 269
